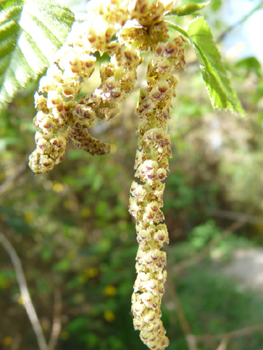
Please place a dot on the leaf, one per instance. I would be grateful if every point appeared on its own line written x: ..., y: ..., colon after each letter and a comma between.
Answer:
x: 189, y: 8
x: 250, y: 64
x: 199, y: 2
x: 214, y: 73
x: 18, y: 224
x: 31, y: 32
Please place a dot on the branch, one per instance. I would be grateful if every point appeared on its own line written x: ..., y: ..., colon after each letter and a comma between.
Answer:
x: 16, y: 342
x: 24, y: 292
x: 190, y: 338
x: 234, y: 334
x: 10, y: 180
x: 56, y: 328
x: 212, y: 244
x: 241, y: 21
x: 223, y: 344
x: 232, y: 215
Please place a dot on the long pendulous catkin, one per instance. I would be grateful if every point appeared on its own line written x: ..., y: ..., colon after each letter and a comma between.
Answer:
x: 146, y: 199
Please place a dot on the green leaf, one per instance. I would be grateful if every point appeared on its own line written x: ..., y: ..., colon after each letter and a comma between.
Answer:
x: 31, y: 32
x: 18, y: 224
x: 187, y: 9
x: 220, y: 91
x: 214, y: 73
x: 250, y: 64
x: 200, y: 2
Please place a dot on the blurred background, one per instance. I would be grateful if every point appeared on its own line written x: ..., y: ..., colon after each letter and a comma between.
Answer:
x: 77, y: 242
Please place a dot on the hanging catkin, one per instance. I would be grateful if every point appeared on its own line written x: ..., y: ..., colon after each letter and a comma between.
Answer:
x: 151, y: 166
x: 139, y: 26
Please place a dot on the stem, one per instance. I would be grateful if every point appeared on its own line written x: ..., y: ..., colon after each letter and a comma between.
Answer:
x: 189, y: 337
x: 12, y: 179
x: 234, y: 334
x: 56, y: 328
x: 178, y: 28
x: 24, y: 292
x: 211, y: 245
x: 241, y: 21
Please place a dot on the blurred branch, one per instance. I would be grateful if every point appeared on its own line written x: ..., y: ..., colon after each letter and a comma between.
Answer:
x: 24, y: 292
x: 16, y: 342
x: 190, y: 338
x: 230, y: 28
x: 223, y: 344
x: 234, y: 334
x: 237, y: 216
x: 211, y: 245
x: 9, y: 181
x: 241, y: 21
x: 56, y: 328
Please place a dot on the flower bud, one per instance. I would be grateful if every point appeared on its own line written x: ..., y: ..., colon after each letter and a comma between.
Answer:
x: 53, y: 99
x: 147, y: 171
x: 149, y: 317
x: 137, y: 323
x: 43, y: 146
x: 59, y: 141
x: 161, y: 235
x: 151, y: 301
x: 134, y: 207
x: 152, y: 285
x: 143, y: 236
x: 45, y: 122
x: 138, y: 191
x: 138, y: 308
x: 153, y: 213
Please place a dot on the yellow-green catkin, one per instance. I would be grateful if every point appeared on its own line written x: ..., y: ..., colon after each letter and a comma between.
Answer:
x: 56, y: 99
x: 139, y: 26
x: 151, y: 166
x: 117, y: 79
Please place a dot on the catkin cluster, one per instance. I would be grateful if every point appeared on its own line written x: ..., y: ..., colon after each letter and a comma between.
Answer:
x: 138, y: 25
x: 146, y: 199
x: 59, y: 115
x: 117, y: 79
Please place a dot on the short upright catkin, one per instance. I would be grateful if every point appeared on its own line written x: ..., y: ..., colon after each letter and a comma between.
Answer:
x: 151, y: 166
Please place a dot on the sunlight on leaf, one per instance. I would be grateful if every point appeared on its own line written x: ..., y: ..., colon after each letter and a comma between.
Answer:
x: 189, y: 8
x: 31, y: 32
x: 220, y: 91
x: 214, y: 73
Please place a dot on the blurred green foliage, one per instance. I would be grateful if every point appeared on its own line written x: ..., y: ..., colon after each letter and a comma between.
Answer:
x: 72, y: 231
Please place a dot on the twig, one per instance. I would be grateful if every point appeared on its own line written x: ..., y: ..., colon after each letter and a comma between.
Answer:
x: 24, y: 292
x: 56, y: 328
x: 9, y: 181
x: 232, y: 215
x: 212, y: 244
x: 16, y: 342
x: 242, y: 20
x: 223, y: 344
x: 190, y: 338
x: 234, y: 334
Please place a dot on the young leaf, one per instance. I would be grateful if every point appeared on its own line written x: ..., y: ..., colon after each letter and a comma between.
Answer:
x: 214, y: 73
x: 189, y: 8
x: 250, y: 64
x: 215, y: 77
x: 31, y: 32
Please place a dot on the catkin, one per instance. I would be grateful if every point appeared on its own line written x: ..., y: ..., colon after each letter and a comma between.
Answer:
x: 151, y: 166
x: 139, y: 26
x: 57, y: 116
x: 118, y: 78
